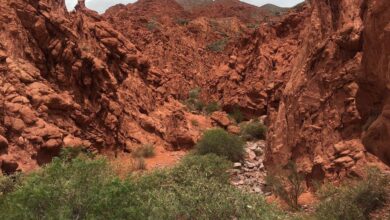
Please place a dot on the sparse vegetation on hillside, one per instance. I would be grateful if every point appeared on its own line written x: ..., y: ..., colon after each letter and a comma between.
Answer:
x: 193, y: 102
x: 220, y: 142
x: 212, y: 107
x: 218, y: 45
x: 152, y: 25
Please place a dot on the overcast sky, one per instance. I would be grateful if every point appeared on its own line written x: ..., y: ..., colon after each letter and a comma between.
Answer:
x: 102, y: 5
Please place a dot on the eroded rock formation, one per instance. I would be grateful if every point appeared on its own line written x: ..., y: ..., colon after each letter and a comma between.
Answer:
x: 318, y: 74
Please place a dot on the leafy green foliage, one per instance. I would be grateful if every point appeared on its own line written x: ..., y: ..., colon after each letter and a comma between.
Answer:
x: 83, y: 188
x: 237, y: 115
x: 193, y: 101
x: 212, y: 107
x: 289, y: 189
x: 253, y: 131
x: 221, y: 143
x: 354, y: 201
x: 146, y: 151
x: 218, y: 45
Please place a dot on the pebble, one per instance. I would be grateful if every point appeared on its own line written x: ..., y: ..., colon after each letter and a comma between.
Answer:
x: 237, y: 165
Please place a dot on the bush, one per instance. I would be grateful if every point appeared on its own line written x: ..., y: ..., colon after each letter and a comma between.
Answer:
x: 212, y: 107
x: 199, y: 188
x: 289, y: 189
x: 237, y: 115
x: 82, y: 188
x: 146, y: 151
x: 193, y: 102
x: 221, y: 143
x: 253, y: 131
x: 217, y: 46
x: 152, y: 25
x: 354, y: 201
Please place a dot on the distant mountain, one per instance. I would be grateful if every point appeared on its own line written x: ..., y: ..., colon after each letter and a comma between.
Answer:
x: 274, y: 9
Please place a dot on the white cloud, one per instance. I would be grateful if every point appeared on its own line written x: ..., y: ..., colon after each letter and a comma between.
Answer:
x: 101, y: 5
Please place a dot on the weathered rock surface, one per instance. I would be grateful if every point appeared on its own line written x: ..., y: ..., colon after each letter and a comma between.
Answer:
x: 318, y: 76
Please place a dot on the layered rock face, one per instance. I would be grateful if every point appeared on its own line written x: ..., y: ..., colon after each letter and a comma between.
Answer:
x: 114, y: 81
x: 373, y: 96
x: 318, y: 110
x: 71, y: 79
x: 336, y: 92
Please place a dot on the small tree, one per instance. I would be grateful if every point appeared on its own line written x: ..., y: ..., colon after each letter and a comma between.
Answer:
x: 289, y: 189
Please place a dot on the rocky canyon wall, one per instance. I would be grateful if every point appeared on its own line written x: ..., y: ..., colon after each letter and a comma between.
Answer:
x: 114, y: 81
x: 374, y: 81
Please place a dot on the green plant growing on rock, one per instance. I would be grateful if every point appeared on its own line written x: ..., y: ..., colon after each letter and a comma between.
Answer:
x: 253, y: 131
x: 212, y: 107
x: 236, y: 114
x: 218, y: 45
x: 152, y: 25
x: 193, y: 102
x: 288, y: 188
x: 221, y: 143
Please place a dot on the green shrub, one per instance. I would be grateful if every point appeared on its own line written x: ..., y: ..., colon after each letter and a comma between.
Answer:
x: 82, y: 188
x: 253, y: 131
x: 146, y: 151
x: 194, y: 93
x: 289, y: 189
x: 152, y: 25
x: 193, y: 102
x: 354, y: 201
x: 199, y: 188
x: 212, y: 107
x: 237, y: 115
x: 217, y: 46
x: 61, y: 190
x: 221, y: 143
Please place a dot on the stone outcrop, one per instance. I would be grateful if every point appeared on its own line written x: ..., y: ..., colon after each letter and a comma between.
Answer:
x: 318, y: 76
x: 373, y: 95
